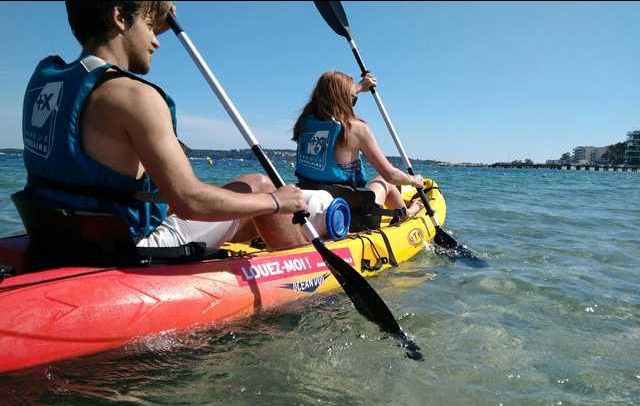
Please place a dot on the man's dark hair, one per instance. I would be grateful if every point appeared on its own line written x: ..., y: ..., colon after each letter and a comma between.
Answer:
x: 91, y: 20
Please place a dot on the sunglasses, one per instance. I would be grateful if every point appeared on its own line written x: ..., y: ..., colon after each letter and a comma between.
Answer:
x: 354, y: 99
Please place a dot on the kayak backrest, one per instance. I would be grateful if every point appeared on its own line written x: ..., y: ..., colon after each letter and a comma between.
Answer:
x: 73, y: 237
x: 63, y: 237
x: 366, y: 214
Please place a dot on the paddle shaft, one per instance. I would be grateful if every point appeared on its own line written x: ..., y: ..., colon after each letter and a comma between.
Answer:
x: 334, y: 15
x: 233, y: 112
x: 392, y: 131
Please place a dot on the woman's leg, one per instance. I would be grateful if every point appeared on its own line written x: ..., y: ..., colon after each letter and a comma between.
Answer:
x: 389, y: 196
x: 386, y: 194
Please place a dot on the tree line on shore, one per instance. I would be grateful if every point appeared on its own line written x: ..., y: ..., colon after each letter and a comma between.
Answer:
x: 216, y: 154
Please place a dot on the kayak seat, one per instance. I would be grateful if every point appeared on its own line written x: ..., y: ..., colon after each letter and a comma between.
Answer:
x: 63, y: 237
x: 366, y: 214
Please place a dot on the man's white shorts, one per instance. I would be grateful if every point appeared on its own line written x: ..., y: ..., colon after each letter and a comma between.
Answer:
x: 175, y: 231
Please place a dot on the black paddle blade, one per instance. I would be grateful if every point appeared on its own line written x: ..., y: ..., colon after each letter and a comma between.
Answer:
x: 444, y: 239
x: 444, y: 242
x: 449, y: 247
x: 334, y: 15
x: 364, y: 298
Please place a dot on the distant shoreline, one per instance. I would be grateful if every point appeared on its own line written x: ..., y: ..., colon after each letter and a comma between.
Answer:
x: 570, y: 167
x: 287, y: 154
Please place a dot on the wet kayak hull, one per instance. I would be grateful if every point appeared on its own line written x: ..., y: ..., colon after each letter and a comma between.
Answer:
x: 69, y: 312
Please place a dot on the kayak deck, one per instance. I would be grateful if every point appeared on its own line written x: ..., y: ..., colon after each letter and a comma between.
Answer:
x: 68, y: 312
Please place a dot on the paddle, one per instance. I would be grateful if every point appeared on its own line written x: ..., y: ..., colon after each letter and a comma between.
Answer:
x: 365, y: 299
x: 334, y: 15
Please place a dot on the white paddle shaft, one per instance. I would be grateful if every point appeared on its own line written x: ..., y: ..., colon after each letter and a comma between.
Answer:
x: 385, y: 116
x: 231, y: 109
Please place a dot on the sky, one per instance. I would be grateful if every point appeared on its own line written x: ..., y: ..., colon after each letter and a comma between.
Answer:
x: 462, y: 81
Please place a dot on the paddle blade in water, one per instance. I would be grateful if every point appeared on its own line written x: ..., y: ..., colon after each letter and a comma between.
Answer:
x: 365, y: 299
x: 446, y: 245
x: 334, y: 15
x: 443, y: 239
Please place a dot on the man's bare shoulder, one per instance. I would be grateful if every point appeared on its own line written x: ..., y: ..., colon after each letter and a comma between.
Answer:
x: 125, y: 94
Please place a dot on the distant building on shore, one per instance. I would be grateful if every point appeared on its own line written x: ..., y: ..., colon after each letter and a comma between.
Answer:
x: 598, y: 155
x: 581, y: 153
x: 584, y: 155
x: 632, y: 153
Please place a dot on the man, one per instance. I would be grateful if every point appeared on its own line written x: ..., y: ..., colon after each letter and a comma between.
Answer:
x: 94, y: 132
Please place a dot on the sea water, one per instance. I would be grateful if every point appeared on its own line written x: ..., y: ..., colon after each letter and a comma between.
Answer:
x: 554, y: 319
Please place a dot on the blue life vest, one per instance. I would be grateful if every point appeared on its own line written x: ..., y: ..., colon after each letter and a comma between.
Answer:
x: 59, y: 170
x: 315, y: 157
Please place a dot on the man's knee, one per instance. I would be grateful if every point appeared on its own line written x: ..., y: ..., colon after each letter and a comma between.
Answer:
x: 257, y: 182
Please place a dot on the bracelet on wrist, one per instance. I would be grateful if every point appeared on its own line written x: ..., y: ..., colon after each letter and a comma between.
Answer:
x: 276, y: 202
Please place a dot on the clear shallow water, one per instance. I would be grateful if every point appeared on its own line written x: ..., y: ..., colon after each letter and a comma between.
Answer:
x: 553, y: 320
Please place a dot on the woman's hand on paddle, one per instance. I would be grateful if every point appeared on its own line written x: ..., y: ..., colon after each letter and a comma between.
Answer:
x: 367, y: 83
x: 290, y: 199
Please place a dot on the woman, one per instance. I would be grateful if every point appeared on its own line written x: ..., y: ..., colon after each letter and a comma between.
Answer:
x: 331, y: 141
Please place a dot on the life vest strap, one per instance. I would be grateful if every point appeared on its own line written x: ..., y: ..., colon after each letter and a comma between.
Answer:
x: 366, y: 214
x: 98, y: 192
x: 64, y: 237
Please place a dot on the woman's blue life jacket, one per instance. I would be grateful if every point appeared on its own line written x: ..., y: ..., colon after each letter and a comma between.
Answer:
x: 315, y: 157
x: 59, y: 172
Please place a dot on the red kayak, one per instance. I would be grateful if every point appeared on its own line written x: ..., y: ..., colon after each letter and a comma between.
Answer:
x: 67, y: 312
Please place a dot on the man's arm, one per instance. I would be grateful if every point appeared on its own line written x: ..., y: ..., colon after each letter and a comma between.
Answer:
x: 146, y: 119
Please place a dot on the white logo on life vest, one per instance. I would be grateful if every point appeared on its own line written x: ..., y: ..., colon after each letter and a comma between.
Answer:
x: 38, y: 137
x: 46, y: 103
x: 316, y: 143
x: 315, y: 150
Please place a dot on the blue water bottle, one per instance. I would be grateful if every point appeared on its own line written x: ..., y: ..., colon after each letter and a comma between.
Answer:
x: 338, y: 218
x: 330, y: 216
